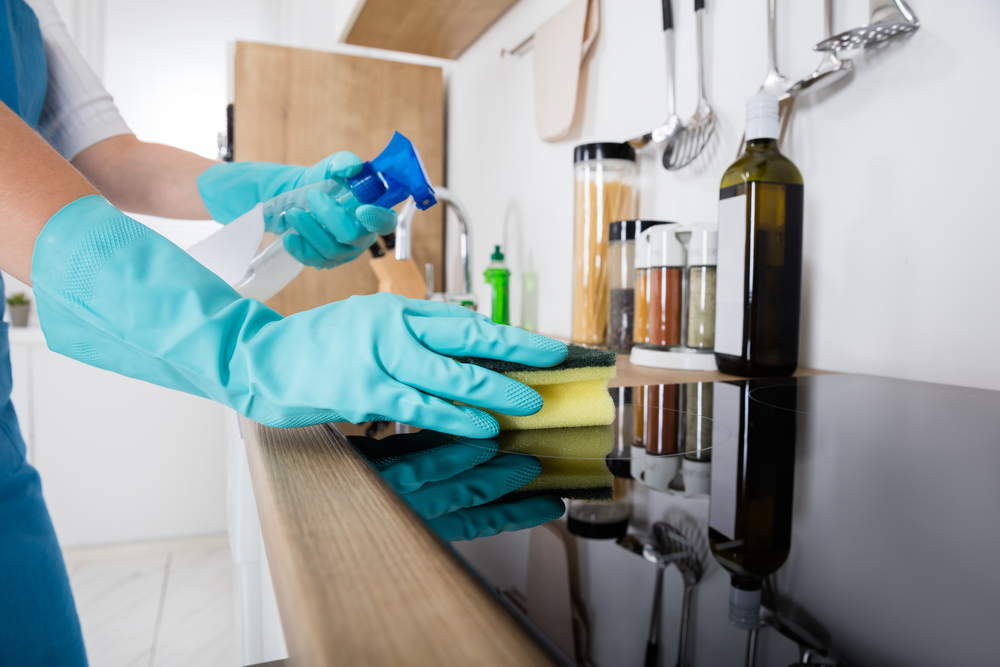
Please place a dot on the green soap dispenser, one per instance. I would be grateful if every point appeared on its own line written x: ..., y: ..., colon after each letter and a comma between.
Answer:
x: 498, y: 279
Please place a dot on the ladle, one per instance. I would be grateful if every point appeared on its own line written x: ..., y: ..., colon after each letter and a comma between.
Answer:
x: 673, y: 128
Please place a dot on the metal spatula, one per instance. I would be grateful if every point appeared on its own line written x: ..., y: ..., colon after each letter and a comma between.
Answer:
x: 889, y: 18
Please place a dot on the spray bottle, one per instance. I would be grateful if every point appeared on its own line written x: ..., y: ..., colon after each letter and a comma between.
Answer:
x: 397, y: 173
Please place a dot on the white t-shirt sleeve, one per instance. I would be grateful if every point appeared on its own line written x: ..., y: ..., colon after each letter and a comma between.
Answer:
x: 78, y: 112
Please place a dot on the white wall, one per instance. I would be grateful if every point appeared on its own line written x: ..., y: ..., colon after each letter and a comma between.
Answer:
x: 900, y: 229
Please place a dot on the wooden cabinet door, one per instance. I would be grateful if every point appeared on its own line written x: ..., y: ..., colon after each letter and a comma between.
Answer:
x: 297, y: 106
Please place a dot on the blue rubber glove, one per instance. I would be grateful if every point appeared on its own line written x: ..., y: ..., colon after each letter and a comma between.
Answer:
x: 114, y: 294
x: 327, y: 235
x: 449, y: 482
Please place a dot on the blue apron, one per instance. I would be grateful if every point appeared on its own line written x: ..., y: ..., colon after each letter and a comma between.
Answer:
x: 38, y: 621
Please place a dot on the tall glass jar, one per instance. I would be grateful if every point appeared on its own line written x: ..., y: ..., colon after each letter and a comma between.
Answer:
x: 605, y: 175
x: 701, y: 242
x: 621, y: 284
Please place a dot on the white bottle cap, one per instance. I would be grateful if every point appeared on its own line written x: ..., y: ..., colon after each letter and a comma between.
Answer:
x: 762, y: 117
x: 744, y: 608
x: 697, y: 476
x: 702, y: 243
x: 664, y: 248
x: 659, y: 471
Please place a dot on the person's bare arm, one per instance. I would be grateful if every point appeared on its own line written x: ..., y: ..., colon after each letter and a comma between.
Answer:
x: 140, y: 177
x: 35, y: 182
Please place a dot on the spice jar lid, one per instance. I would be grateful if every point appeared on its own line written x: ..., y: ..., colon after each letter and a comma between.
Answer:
x: 642, y: 241
x: 625, y: 230
x: 662, y: 247
x: 603, y: 151
x: 701, y: 240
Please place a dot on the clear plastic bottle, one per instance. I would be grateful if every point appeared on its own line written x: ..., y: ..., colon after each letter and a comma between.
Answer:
x: 498, y: 279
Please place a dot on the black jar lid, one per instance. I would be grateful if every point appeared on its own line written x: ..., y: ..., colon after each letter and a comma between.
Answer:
x: 625, y: 230
x: 603, y: 151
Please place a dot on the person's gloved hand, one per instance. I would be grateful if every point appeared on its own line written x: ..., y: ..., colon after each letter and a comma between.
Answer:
x: 326, y: 235
x: 114, y: 294
x: 449, y: 482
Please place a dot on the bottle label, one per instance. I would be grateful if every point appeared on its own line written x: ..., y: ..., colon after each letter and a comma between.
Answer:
x: 730, y: 281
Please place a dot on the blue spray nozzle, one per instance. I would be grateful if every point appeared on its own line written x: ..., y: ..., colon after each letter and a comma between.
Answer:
x: 397, y: 173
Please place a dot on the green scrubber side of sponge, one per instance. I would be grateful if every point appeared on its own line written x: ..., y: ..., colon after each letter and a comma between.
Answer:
x: 578, y: 357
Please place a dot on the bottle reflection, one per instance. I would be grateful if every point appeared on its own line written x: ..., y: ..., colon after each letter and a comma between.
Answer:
x: 619, y: 460
x: 696, y: 465
x: 673, y: 434
x: 752, y: 480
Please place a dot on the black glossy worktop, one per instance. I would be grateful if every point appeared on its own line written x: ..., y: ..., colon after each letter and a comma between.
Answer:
x: 886, y: 493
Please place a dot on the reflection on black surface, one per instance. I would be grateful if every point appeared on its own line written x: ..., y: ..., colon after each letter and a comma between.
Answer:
x: 624, y: 427
x: 573, y: 460
x: 670, y: 420
x: 660, y: 432
x: 750, y: 516
x: 457, y: 485
x: 895, y: 524
x: 602, y: 520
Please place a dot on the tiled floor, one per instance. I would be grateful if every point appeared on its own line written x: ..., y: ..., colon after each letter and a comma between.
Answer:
x: 157, y: 604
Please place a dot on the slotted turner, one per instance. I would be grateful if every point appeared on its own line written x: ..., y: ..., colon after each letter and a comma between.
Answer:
x: 889, y: 18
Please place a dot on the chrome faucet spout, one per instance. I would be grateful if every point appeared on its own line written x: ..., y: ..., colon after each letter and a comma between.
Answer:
x: 404, y: 239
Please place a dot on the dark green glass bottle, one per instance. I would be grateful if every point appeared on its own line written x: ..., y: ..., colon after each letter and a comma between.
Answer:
x: 759, y: 274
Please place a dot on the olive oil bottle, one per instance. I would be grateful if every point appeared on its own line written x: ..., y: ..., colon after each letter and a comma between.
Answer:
x: 759, y: 274
x: 752, y: 488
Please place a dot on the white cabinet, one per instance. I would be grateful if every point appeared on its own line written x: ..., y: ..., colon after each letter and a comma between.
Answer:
x: 120, y: 460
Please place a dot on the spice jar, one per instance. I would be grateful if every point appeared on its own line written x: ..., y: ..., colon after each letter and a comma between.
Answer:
x: 640, y: 320
x: 701, y: 243
x: 605, y: 175
x: 661, y: 290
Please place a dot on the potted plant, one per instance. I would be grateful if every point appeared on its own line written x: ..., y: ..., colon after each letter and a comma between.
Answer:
x: 19, y: 306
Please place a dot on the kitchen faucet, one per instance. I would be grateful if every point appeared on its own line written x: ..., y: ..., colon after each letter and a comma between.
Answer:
x: 404, y: 243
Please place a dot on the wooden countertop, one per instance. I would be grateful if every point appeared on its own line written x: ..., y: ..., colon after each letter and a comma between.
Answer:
x: 360, y: 579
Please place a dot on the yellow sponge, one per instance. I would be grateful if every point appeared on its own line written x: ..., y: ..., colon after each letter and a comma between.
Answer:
x: 575, y: 393
x: 573, y: 460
